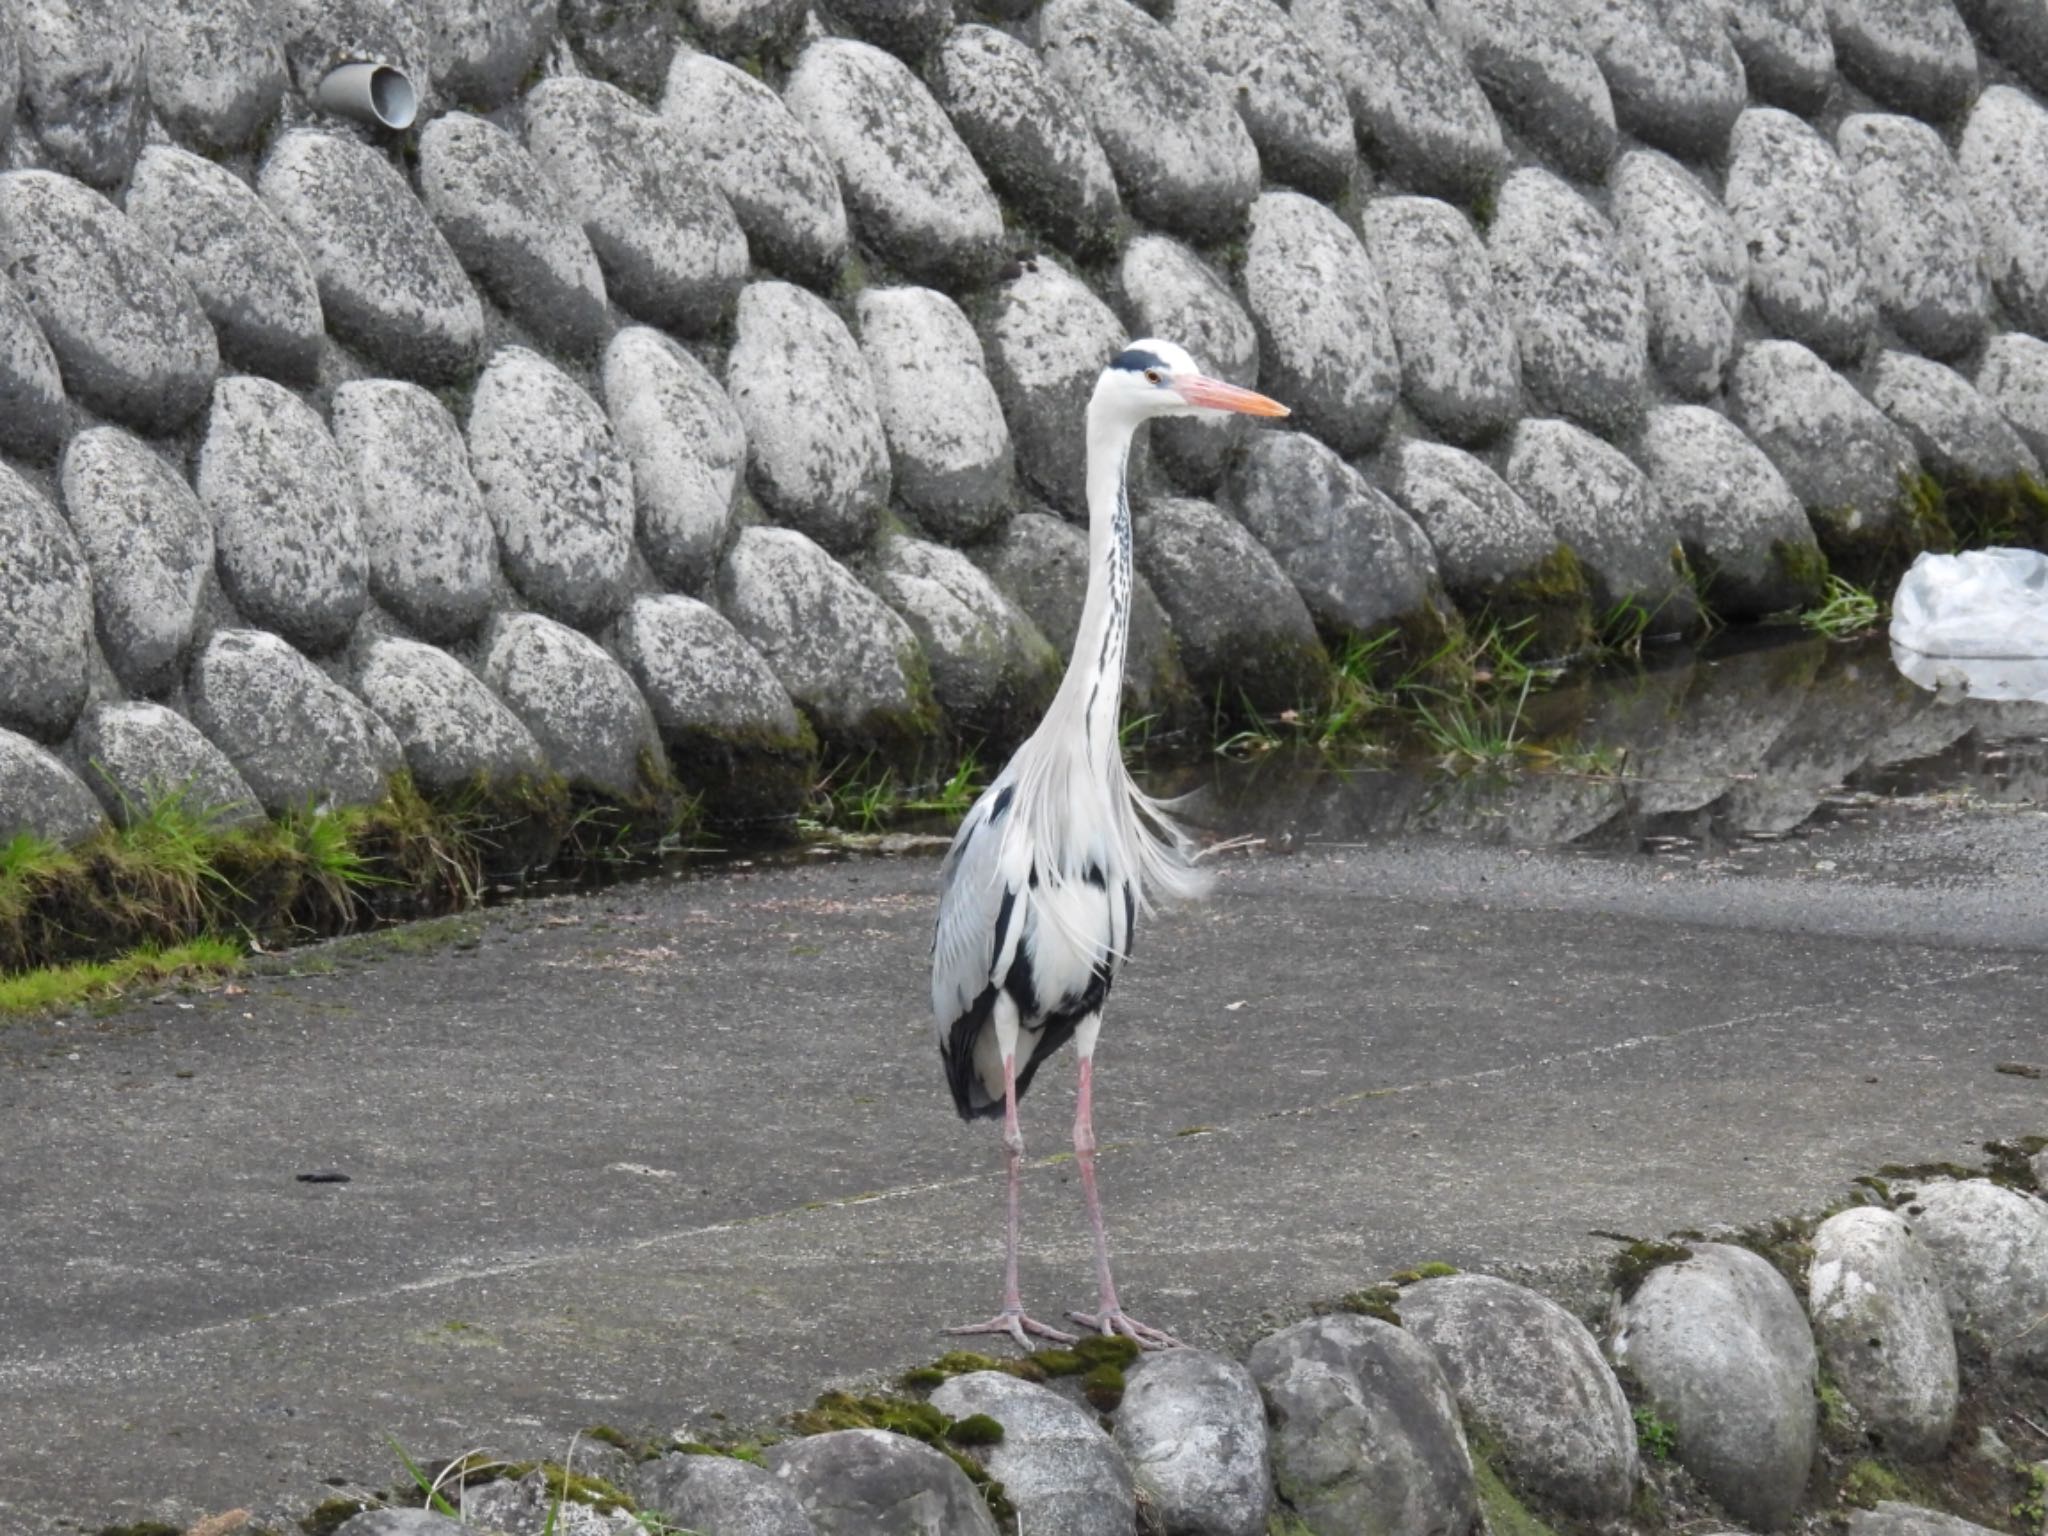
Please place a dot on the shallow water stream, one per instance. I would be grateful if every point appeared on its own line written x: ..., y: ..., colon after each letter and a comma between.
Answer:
x: 1751, y: 740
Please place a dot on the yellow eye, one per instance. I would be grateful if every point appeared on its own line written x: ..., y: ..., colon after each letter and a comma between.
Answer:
x: 1151, y: 375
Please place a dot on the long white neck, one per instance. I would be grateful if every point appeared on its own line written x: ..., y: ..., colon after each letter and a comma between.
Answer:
x: 1092, y: 690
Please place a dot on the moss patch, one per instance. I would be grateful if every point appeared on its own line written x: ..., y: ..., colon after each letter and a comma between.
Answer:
x: 1553, y: 600
x: 1103, y: 1386
x: 330, y: 1515
x: 1377, y: 1301
x: 1802, y: 571
x: 1631, y: 1267
x: 1506, y: 1515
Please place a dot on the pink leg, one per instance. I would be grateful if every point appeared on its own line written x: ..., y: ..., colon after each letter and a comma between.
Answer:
x: 1012, y: 1319
x: 1109, y: 1317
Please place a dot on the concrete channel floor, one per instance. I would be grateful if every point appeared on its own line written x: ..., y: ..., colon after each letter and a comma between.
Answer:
x: 681, y: 1149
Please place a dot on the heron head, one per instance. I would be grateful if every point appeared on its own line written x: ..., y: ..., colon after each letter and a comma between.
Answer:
x: 1157, y: 378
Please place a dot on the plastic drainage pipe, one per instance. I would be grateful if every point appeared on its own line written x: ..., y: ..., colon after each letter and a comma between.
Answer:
x: 369, y: 93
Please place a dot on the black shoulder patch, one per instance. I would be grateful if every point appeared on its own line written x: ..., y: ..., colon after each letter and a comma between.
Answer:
x: 995, y: 812
x: 1137, y: 360
x: 1095, y: 877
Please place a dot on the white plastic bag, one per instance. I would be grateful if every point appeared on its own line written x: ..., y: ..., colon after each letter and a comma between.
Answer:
x: 1989, y: 602
x: 1975, y: 623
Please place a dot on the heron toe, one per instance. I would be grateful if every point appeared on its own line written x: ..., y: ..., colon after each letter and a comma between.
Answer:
x: 1017, y: 1325
x: 1118, y: 1321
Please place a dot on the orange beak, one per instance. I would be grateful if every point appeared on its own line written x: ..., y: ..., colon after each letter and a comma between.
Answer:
x: 1215, y: 395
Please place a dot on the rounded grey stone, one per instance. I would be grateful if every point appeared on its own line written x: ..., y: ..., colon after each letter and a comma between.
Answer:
x: 1029, y: 134
x: 2004, y: 161
x: 1840, y: 454
x: 250, y: 276
x: 1795, y: 208
x: 40, y: 797
x: 672, y: 252
x: 1540, y: 76
x: 1785, y: 49
x: 1720, y: 1346
x: 868, y: 1482
x: 83, y: 83
x: 686, y: 447
x: 817, y: 455
x: 150, y: 545
x: 1990, y: 1247
x: 1459, y: 367
x: 1170, y: 291
x: 1041, y: 564
x: 296, y: 737
x: 1600, y: 504
x: 780, y: 185
x: 2017, y: 31
x: 1482, y: 532
x: 1694, y: 266
x: 1577, y: 302
x: 1920, y: 240
x: 1676, y: 79
x: 1057, y: 1466
x: 1183, y: 160
x: 431, y: 552
x: 287, y: 536
x: 555, y: 485
x: 582, y: 708
x: 529, y: 1506
x: 1365, y: 1428
x: 1326, y: 349
x: 947, y: 439
x: 738, y: 27
x: 216, y: 71
x: 1418, y: 109
x: 388, y: 282
x: 720, y: 1493
x: 1883, y: 1329
x: 1528, y: 1373
x: 2013, y: 375
x: 907, y: 28
x: 1240, y: 625
x: 45, y: 614
x: 1913, y: 55
x: 628, y: 46
x: 1891, y: 1518
x: 913, y: 188
x: 1049, y: 339
x: 34, y: 416
x: 1194, y: 1430
x: 454, y: 730
x: 485, y: 49
x: 1745, y: 533
x: 127, y: 331
x: 10, y: 82
x: 732, y: 732
x: 400, y: 1522
x: 840, y: 651
x: 137, y: 755
x: 1290, y: 102
x: 1358, y: 561
x: 992, y: 672
x: 1959, y: 435
x: 513, y: 231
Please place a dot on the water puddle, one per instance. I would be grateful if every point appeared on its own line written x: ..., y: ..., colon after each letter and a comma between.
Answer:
x: 1756, y: 739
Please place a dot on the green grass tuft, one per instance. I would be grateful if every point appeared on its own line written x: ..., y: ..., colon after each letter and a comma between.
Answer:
x: 66, y: 986
x: 1845, y: 610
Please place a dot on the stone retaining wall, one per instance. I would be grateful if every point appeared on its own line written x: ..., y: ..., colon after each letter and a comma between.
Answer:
x: 1904, y: 1333
x: 704, y: 382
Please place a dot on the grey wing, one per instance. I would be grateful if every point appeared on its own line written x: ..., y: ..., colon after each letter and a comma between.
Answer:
x: 980, y: 907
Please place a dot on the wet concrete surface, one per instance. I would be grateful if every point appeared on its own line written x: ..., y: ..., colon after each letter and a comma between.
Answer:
x: 678, y: 1154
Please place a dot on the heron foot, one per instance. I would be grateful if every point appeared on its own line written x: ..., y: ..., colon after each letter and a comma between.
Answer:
x: 1017, y: 1325
x: 1115, y: 1320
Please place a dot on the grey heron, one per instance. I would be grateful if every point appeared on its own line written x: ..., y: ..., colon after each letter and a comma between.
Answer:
x: 1052, y: 866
